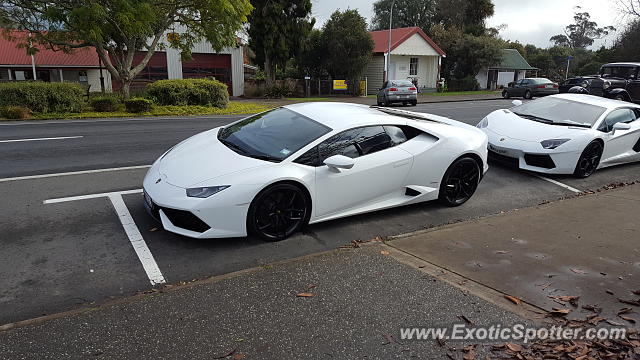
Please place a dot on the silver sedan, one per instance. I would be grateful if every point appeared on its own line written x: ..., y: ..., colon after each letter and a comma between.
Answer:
x: 398, y: 91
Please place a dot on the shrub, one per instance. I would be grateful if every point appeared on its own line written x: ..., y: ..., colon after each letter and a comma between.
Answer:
x: 277, y: 91
x: 105, y: 104
x: 43, y: 97
x: 468, y: 83
x: 15, y: 112
x: 189, y: 92
x: 138, y: 105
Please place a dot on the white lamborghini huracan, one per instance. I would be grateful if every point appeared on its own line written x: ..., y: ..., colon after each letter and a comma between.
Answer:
x: 274, y: 172
x: 565, y: 134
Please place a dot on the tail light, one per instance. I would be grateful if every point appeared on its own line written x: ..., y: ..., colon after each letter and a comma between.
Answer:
x: 393, y: 89
x: 412, y: 89
x: 555, y: 86
x: 540, y: 86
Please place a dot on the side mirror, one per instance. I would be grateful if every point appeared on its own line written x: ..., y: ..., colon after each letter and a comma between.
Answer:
x: 621, y: 126
x: 516, y: 102
x: 337, y: 162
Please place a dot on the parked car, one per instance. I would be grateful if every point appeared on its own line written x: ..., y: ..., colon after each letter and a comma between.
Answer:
x: 583, y: 81
x: 530, y: 87
x: 564, y: 134
x: 617, y: 81
x: 272, y: 173
x: 398, y: 91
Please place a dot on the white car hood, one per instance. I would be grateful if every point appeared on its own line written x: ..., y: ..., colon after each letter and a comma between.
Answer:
x: 202, y: 157
x: 510, y: 125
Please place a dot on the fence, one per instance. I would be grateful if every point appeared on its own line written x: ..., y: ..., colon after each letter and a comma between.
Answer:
x: 303, y: 88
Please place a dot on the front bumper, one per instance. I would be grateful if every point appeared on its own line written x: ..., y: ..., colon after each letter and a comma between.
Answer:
x: 531, y: 156
x: 216, y: 217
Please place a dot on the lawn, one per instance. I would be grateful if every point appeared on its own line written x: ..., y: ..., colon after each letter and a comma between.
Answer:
x: 234, y: 108
x: 307, y: 99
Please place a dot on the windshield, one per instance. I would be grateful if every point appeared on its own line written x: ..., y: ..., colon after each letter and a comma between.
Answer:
x: 558, y: 111
x: 272, y: 135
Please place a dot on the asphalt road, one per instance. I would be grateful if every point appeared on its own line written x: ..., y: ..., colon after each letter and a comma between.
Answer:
x: 57, y: 256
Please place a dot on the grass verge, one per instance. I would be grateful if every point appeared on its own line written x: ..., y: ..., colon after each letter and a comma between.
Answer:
x: 453, y: 93
x: 234, y: 108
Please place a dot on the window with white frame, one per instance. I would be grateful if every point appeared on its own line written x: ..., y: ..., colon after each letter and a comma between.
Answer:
x: 413, y: 66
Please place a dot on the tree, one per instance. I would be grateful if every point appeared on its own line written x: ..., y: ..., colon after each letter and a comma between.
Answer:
x: 582, y: 33
x: 277, y: 31
x: 630, y: 7
x: 627, y: 46
x: 406, y: 13
x: 348, y: 44
x: 119, y: 29
x: 311, y: 60
x: 468, y: 15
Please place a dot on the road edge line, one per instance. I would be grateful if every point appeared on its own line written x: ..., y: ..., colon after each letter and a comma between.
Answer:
x: 80, y: 172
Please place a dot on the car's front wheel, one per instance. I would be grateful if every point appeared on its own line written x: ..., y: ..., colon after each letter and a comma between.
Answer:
x: 589, y: 160
x: 460, y: 181
x: 528, y: 95
x: 278, y: 211
x: 505, y: 94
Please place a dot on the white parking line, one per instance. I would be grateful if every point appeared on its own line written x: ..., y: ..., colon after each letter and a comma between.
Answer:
x: 74, y: 173
x: 130, y: 228
x: 144, y: 254
x: 559, y: 184
x: 41, y: 139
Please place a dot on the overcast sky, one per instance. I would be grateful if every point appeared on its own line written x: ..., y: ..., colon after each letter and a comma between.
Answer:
x: 528, y: 21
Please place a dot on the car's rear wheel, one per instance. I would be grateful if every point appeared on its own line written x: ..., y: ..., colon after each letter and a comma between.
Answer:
x: 414, y: 103
x: 589, y: 160
x: 404, y: 103
x: 278, y: 211
x: 528, y: 95
x: 505, y: 94
x: 620, y: 97
x: 460, y: 182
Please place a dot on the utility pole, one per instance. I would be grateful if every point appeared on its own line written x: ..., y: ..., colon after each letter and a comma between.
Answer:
x: 386, y: 73
x: 566, y: 75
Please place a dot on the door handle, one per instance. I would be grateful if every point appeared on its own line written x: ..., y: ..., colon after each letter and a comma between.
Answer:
x: 401, y: 163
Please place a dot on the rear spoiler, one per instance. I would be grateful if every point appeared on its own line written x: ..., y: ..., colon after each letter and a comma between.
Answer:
x: 408, y: 114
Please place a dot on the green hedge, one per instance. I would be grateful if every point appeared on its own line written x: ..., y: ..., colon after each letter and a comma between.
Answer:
x: 138, y: 105
x: 43, y: 97
x: 189, y: 92
x: 105, y: 104
x: 468, y: 83
x: 15, y: 112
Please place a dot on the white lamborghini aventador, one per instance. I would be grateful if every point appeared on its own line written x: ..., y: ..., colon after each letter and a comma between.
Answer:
x: 272, y: 173
x: 565, y: 134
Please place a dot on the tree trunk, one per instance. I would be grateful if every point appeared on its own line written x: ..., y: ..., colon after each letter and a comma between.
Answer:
x: 269, y: 70
x: 126, y: 86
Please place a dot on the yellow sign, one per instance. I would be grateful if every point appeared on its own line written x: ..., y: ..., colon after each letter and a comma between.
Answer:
x: 363, y: 87
x: 339, y: 84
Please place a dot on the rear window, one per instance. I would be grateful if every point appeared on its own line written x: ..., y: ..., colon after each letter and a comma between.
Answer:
x: 541, y: 81
x: 401, y: 83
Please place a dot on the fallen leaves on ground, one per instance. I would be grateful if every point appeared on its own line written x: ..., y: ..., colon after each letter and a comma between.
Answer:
x: 384, y: 252
x: 513, y: 299
x: 629, y: 319
x: 469, y: 352
x: 630, y: 302
x: 573, y: 300
x: 238, y: 356
x: 595, y: 309
x: 578, y: 271
x: 304, y: 294
x: 559, y: 312
x: 466, y: 319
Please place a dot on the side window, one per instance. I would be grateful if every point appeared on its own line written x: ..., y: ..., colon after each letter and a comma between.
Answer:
x: 340, y: 144
x: 372, y: 139
x: 396, y: 134
x: 616, y: 116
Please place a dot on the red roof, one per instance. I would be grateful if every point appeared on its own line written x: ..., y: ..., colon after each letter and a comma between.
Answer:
x: 398, y: 36
x: 10, y: 54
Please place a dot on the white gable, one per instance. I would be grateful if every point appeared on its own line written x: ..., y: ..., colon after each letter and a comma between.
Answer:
x: 415, y: 45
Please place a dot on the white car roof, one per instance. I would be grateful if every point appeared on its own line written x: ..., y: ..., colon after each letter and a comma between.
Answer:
x: 610, y: 104
x: 342, y: 116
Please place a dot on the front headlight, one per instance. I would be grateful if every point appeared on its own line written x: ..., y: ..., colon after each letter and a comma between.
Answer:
x: 205, y: 192
x: 553, y: 143
x: 606, y: 85
x: 483, y: 123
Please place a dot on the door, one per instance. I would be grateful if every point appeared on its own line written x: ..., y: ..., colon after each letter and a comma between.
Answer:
x: 518, y: 88
x: 380, y: 169
x: 633, y: 87
x: 392, y: 70
x: 619, y: 144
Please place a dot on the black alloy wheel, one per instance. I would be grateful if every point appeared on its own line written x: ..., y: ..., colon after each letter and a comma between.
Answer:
x: 278, y: 212
x: 528, y: 95
x: 589, y: 160
x: 460, y: 182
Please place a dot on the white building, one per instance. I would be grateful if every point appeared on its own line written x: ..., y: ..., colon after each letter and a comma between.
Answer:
x: 512, y: 67
x: 413, y: 56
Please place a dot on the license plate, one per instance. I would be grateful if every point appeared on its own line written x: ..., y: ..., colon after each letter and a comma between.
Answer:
x: 549, y: 86
x: 147, y: 199
x: 497, y: 150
